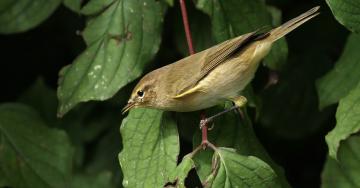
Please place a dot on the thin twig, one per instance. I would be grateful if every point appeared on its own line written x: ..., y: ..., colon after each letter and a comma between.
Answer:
x: 186, y: 27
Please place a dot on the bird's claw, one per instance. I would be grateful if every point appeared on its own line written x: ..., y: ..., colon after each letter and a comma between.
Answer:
x: 203, y: 123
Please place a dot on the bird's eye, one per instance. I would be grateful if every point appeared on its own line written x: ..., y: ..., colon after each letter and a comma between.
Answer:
x: 140, y: 93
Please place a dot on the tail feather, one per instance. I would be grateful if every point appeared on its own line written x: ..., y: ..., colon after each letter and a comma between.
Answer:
x: 292, y: 24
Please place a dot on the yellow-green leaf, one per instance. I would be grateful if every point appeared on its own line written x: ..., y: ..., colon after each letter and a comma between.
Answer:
x: 344, y: 172
x: 150, y: 148
x: 241, y: 171
x: 181, y: 172
x: 347, y: 121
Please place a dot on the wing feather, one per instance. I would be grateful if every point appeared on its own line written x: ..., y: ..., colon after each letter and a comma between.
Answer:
x: 214, y: 57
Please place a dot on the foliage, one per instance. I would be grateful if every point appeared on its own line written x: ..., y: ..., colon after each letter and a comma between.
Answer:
x: 344, y: 171
x: 346, y: 12
x: 337, y: 83
x: 318, y: 90
x: 151, y: 148
x: 31, y: 153
x: 19, y: 16
x: 119, y: 46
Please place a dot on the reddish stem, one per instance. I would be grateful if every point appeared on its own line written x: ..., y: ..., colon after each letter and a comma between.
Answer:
x: 186, y: 27
x: 204, y: 128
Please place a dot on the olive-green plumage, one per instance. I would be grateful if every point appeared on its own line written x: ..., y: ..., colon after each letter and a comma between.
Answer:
x: 206, y: 78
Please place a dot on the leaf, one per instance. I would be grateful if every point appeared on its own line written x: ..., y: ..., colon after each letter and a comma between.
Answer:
x: 229, y: 131
x: 80, y: 124
x: 337, y: 83
x: 169, y: 2
x: 347, y: 12
x: 100, y: 180
x: 346, y: 171
x: 150, y: 148
x: 347, y: 121
x: 121, y: 41
x: 42, y: 99
x: 3, y: 182
x: 96, y: 126
x: 242, y: 171
x: 179, y: 175
x: 32, y: 155
x: 22, y: 15
x: 236, y: 17
x: 95, y: 6
x: 74, y: 5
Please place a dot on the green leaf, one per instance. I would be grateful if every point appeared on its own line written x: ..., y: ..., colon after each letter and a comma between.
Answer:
x: 179, y: 175
x: 169, y: 2
x: 84, y: 126
x: 81, y: 125
x: 95, y: 6
x: 22, y: 15
x: 42, y: 99
x: 150, y: 148
x: 347, y: 12
x: 347, y: 121
x: 235, y: 134
x: 32, y: 155
x: 236, y: 17
x: 74, y: 5
x: 337, y: 83
x: 121, y: 41
x: 3, y: 182
x: 241, y: 171
x: 101, y: 180
x: 345, y: 172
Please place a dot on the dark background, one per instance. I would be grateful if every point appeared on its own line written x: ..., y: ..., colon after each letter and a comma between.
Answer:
x: 296, y: 141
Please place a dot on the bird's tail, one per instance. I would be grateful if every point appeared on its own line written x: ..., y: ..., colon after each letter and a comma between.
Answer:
x: 292, y: 24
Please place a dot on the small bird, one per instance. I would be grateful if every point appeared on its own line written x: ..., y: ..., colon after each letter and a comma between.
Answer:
x: 211, y: 76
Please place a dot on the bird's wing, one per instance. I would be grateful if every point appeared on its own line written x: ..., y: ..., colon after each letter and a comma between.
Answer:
x: 213, y: 58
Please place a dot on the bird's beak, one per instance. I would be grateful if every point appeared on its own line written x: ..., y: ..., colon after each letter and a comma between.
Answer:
x: 129, y: 106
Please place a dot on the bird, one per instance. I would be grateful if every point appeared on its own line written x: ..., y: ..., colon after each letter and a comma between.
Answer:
x: 212, y: 76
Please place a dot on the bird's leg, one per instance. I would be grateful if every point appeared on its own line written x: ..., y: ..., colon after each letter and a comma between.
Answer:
x: 204, y: 122
x: 238, y: 101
